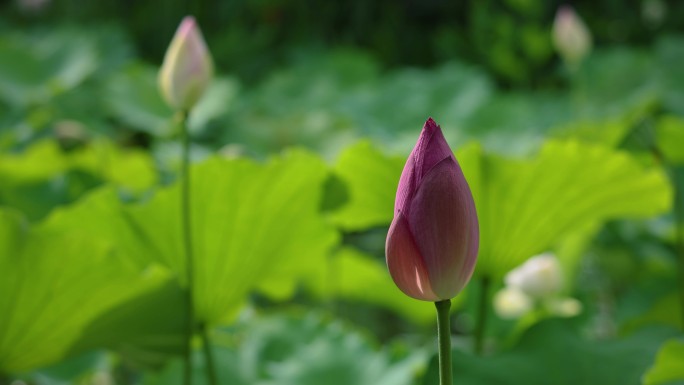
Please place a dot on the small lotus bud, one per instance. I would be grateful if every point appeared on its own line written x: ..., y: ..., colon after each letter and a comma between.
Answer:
x: 187, y: 67
x: 511, y: 302
x: 571, y: 36
x: 539, y: 277
x: 433, y: 240
x: 565, y: 307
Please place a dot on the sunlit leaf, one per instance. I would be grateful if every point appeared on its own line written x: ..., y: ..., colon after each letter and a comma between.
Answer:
x: 249, y: 220
x: 353, y: 276
x: 56, y: 281
x: 670, y: 138
x: 371, y: 179
x: 525, y: 206
x: 668, y: 364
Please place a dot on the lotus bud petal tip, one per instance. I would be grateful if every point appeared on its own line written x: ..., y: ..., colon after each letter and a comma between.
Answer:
x: 187, y: 67
x: 433, y: 240
x: 571, y: 37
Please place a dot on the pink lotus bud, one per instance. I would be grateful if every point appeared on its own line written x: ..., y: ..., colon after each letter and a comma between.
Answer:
x: 571, y: 36
x: 187, y: 67
x: 432, y: 243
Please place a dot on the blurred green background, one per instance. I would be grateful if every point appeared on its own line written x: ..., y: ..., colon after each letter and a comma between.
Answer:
x: 297, y: 148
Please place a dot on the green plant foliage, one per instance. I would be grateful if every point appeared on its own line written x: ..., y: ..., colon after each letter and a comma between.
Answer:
x: 670, y: 138
x: 92, y: 264
x: 668, y: 368
x: 148, y: 329
x: 250, y: 221
x: 664, y: 311
x: 370, y: 194
x: 328, y: 101
x: 35, y: 70
x: 61, y: 280
x: 133, y: 96
x: 525, y: 206
x: 615, y: 80
x: 554, y: 352
x: 360, y: 278
x: 669, y: 52
x: 301, y: 350
x: 44, y: 176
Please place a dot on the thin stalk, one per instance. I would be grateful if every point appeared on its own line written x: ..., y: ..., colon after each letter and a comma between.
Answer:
x: 187, y: 245
x: 444, y: 341
x: 482, y: 313
x: 680, y: 242
x: 208, y: 356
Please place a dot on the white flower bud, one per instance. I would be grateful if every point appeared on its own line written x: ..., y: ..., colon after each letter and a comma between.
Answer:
x: 539, y: 277
x: 511, y: 302
x: 187, y: 67
x: 565, y: 307
x: 571, y: 37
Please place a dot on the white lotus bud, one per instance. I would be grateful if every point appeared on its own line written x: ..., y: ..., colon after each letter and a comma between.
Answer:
x: 539, y: 277
x: 565, y: 307
x: 511, y: 302
x: 187, y: 67
x: 571, y: 37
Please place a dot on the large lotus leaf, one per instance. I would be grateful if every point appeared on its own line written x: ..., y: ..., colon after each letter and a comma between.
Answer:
x: 132, y: 95
x: 663, y: 311
x: 131, y: 169
x: 250, y: 221
x: 55, y: 282
x: 43, y: 177
x: 32, y: 70
x: 354, y: 276
x: 526, y: 206
x: 299, y: 350
x: 610, y: 130
x: 371, y: 179
x: 670, y: 138
x: 147, y: 328
x: 512, y: 123
x: 668, y: 366
x: 553, y: 352
x: 615, y: 80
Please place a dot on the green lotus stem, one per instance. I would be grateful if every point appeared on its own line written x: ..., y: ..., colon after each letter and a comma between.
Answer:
x: 444, y: 341
x: 187, y: 245
x: 208, y: 356
x: 680, y: 247
x: 482, y: 313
